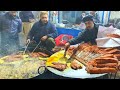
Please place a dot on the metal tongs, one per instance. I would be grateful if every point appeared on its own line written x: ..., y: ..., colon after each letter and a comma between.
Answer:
x: 26, y: 48
x: 36, y: 46
x: 65, y: 51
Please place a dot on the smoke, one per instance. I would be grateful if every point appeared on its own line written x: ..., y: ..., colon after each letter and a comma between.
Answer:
x: 8, y: 49
x: 8, y: 46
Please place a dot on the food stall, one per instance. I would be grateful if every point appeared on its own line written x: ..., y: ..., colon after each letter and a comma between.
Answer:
x: 32, y: 65
x: 89, y: 61
x: 83, y: 61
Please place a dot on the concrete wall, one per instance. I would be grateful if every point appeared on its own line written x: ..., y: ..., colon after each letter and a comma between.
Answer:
x: 115, y: 14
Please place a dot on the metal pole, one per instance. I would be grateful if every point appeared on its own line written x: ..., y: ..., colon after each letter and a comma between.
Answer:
x: 103, y: 18
x: 49, y: 15
x: 58, y: 17
x: 109, y: 16
x: 36, y: 46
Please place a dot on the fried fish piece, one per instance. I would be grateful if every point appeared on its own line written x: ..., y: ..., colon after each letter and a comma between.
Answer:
x: 59, y: 66
x: 113, y: 35
x: 106, y: 60
x: 96, y: 70
x: 111, y: 65
x: 114, y: 51
x: 117, y: 56
x: 75, y: 65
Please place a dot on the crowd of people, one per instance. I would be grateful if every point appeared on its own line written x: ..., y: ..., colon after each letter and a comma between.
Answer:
x: 11, y: 25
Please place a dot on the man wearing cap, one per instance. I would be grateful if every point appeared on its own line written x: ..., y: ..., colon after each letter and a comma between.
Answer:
x: 87, y: 35
x: 28, y: 20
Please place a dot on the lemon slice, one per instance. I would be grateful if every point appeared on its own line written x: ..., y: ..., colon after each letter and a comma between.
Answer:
x: 1, y: 61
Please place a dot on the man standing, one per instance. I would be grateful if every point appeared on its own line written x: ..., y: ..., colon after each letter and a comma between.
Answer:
x: 96, y: 17
x: 10, y: 26
x: 42, y: 31
x: 28, y: 19
x: 79, y: 19
x: 87, y: 35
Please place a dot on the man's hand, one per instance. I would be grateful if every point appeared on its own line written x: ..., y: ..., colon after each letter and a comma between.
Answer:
x: 67, y: 45
x: 44, y: 38
x: 28, y: 41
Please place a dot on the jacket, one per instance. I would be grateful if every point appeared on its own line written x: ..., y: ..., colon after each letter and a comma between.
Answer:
x: 10, y: 26
x: 86, y: 36
x: 39, y: 30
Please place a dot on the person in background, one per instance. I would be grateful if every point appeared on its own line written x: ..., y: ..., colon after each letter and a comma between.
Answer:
x: 87, y: 35
x: 36, y: 15
x: 118, y: 25
x: 110, y: 23
x: 28, y: 20
x: 79, y: 19
x: 95, y: 15
x: 42, y: 31
x: 10, y: 27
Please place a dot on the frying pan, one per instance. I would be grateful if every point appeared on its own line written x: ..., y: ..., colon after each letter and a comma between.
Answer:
x: 69, y: 72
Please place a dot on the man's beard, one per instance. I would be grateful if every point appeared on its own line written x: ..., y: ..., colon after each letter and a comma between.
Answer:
x: 44, y: 23
x: 90, y: 28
